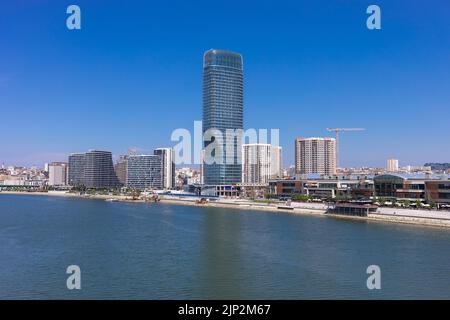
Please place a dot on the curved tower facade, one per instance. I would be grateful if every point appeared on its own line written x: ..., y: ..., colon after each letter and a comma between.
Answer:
x: 223, y: 104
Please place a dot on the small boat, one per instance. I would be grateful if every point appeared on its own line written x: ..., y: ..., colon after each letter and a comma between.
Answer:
x: 285, y: 207
x: 112, y: 200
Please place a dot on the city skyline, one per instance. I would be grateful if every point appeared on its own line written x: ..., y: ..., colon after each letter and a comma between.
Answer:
x: 332, y: 72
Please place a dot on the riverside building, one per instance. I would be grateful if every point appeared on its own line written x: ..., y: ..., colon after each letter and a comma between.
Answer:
x: 57, y: 174
x: 121, y: 169
x: 315, y: 155
x: 99, y: 170
x: 76, y: 169
x: 168, y: 167
x: 223, y: 105
x: 145, y: 172
x: 93, y: 169
x: 260, y: 162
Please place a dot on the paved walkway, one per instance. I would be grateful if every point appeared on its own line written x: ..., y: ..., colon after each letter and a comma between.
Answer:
x: 433, y: 214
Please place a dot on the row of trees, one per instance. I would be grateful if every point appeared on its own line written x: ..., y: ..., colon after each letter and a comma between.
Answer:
x: 345, y: 197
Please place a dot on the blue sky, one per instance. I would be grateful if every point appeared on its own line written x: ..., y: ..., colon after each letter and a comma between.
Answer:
x: 133, y: 73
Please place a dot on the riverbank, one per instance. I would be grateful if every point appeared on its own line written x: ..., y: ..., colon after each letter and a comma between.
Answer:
x: 403, y: 216
x: 248, y: 205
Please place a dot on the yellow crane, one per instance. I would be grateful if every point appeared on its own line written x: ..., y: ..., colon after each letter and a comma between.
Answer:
x: 337, y: 130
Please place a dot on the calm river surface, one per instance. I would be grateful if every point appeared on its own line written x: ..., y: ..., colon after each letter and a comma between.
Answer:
x: 166, y: 251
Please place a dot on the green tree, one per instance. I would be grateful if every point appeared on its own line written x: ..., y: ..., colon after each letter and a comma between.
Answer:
x: 432, y: 204
x: 301, y: 198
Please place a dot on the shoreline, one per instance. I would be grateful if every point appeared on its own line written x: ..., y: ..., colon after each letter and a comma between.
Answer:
x: 255, y: 206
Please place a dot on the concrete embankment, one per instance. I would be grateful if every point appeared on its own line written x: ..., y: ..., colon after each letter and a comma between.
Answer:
x: 244, y: 205
x: 381, y: 218
x: 417, y: 217
x: 428, y: 221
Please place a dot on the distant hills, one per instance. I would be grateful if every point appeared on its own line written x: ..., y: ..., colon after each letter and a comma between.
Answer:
x: 438, y: 166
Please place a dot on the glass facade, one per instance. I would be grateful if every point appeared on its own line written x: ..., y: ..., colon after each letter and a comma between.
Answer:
x: 223, y: 103
x: 77, y: 162
x: 93, y: 169
x: 99, y: 170
x: 144, y: 171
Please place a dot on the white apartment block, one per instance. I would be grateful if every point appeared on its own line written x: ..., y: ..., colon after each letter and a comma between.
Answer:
x: 261, y: 162
x: 57, y: 174
x: 315, y: 155
x: 168, y: 166
x: 392, y: 165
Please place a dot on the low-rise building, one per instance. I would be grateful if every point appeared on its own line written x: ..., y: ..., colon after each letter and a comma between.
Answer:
x: 413, y: 187
x: 231, y: 191
x: 438, y: 191
x: 399, y: 187
x: 324, y: 187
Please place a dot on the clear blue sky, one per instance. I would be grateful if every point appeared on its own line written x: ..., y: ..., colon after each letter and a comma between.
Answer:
x: 134, y: 73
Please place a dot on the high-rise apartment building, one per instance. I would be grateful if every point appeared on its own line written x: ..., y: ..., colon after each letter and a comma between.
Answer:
x: 260, y: 162
x: 144, y: 171
x: 315, y: 155
x: 121, y: 169
x: 223, y: 103
x: 202, y: 166
x: 168, y: 167
x: 57, y: 174
x: 276, y: 162
x: 77, y: 163
x: 93, y: 169
x: 392, y: 165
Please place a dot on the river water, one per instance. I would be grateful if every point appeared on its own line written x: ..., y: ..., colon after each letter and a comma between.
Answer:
x: 167, y: 251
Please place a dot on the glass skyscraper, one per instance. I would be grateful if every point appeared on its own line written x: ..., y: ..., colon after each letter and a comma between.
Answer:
x: 223, y: 104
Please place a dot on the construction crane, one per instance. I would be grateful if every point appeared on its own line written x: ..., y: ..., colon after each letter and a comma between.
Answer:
x: 337, y: 130
x: 132, y: 151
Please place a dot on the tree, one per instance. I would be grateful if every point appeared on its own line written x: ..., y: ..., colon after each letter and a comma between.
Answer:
x: 301, y: 198
x: 136, y: 193
x: 432, y: 204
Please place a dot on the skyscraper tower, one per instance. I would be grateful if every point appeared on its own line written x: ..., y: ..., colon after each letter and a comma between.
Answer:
x: 223, y: 104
